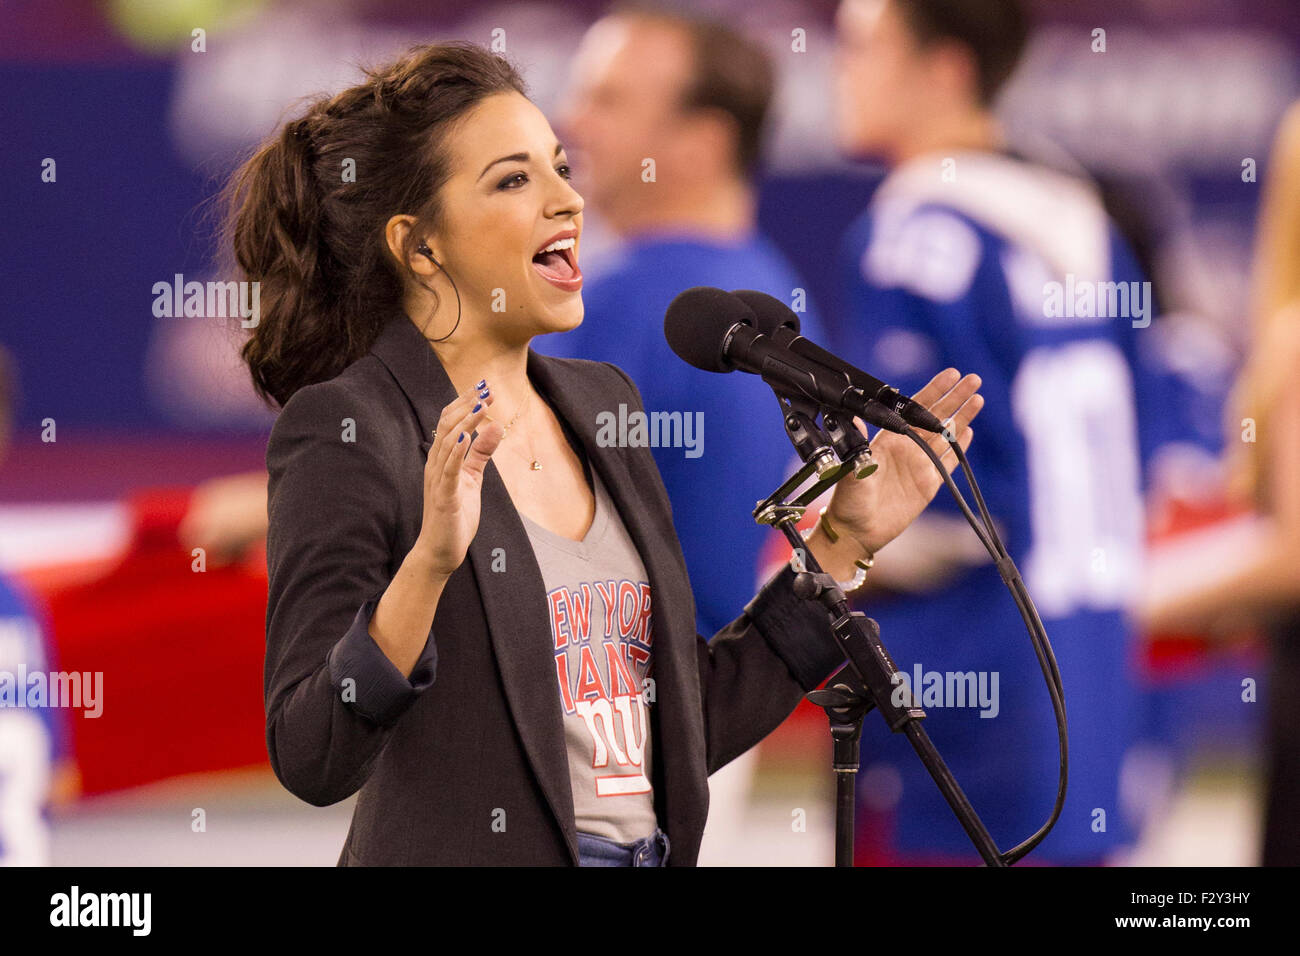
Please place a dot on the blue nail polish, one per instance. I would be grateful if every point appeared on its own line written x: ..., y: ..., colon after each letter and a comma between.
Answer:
x: 484, y: 393
x: 461, y: 438
x: 481, y: 383
x: 476, y: 408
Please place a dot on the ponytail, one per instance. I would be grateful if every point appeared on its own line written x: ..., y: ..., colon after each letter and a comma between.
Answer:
x: 314, y: 239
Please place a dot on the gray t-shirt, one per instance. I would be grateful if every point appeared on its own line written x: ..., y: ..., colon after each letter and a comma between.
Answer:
x: 599, y: 604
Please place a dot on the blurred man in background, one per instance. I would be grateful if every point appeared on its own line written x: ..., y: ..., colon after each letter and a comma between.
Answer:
x: 969, y: 256
x: 666, y: 115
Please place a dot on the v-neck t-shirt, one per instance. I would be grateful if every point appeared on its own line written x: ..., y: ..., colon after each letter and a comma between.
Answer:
x: 598, y: 601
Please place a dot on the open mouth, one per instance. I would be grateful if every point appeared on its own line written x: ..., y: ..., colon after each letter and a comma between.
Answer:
x: 557, y: 264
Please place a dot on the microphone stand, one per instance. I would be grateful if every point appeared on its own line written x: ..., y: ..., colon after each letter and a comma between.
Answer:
x: 869, y: 678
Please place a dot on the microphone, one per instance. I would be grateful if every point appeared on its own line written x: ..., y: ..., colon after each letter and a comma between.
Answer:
x: 780, y: 323
x: 850, y: 444
x: 716, y: 331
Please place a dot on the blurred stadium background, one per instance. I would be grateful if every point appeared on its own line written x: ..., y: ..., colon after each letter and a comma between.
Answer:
x: 143, y: 130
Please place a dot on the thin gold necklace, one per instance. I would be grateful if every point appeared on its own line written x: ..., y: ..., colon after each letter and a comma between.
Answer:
x: 533, y: 464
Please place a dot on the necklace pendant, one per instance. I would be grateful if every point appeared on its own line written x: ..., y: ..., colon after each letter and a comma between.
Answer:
x: 537, y: 465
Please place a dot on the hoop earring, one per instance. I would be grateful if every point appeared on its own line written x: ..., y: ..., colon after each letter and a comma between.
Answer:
x: 424, y: 250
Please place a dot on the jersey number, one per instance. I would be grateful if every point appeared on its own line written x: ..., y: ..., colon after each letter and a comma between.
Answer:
x: 1074, y: 406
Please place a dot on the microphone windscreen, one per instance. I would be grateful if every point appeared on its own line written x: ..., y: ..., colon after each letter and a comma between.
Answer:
x: 697, y: 322
x: 770, y: 311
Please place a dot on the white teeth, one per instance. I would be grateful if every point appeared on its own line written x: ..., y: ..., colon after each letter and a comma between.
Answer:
x: 560, y: 244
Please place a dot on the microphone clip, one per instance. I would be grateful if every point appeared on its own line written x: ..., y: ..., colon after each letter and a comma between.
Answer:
x: 830, y: 451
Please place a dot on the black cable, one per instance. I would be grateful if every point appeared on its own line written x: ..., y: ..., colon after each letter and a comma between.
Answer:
x: 984, y: 512
x: 1010, y: 575
x: 1046, y: 660
x: 457, y: 291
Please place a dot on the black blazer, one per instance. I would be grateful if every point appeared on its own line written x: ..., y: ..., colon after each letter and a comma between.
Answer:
x: 465, y: 761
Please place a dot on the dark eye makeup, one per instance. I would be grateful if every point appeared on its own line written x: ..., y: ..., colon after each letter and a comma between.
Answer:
x: 510, y: 181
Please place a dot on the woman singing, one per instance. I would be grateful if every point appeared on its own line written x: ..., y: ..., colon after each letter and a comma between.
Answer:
x: 462, y: 576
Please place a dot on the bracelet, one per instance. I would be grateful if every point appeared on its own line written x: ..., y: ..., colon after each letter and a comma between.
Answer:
x: 862, y: 564
x: 832, y: 535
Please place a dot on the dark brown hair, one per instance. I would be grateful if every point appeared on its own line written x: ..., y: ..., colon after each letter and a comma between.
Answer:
x: 995, y: 32
x: 315, y: 242
x: 732, y: 73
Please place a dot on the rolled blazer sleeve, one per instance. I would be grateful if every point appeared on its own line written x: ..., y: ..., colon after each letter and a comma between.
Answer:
x: 755, y: 670
x: 332, y: 695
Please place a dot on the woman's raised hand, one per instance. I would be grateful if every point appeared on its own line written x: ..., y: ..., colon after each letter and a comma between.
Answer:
x: 875, y: 509
x: 453, y: 478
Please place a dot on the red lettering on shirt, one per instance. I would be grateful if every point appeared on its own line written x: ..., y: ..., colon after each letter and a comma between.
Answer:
x: 589, y: 682
x: 559, y: 617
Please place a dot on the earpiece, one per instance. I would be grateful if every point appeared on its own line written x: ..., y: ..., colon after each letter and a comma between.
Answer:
x: 424, y: 250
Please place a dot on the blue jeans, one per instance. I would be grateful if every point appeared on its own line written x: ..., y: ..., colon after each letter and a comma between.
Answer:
x: 598, y: 851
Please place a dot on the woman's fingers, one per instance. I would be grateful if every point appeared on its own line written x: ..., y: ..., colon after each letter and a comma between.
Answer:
x: 458, y: 442
x: 955, y: 409
x: 485, y: 443
x: 450, y: 420
x: 956, y: 423
x: 949, y: 458
x: 455, y: 410
x: 957, y: 420
x: 951, y: 398
x: 945, y: 405
x: 452, y: 412
x: 936, y: 387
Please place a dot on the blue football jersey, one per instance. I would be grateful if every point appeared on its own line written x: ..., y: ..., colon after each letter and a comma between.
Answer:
x: 1012, y: 271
